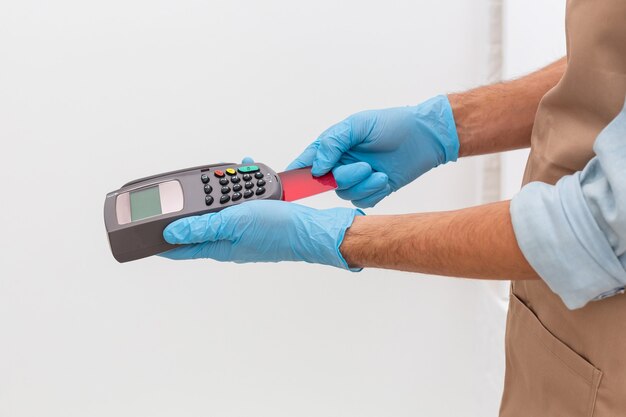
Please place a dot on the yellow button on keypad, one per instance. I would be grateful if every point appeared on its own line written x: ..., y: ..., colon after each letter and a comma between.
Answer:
x: 231, y: 171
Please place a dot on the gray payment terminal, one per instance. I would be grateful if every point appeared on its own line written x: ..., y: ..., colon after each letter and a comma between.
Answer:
x: 136, y: 214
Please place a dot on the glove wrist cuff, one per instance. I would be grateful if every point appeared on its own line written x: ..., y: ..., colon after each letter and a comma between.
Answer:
x: 437, y: 121
x: 342, y: 260
x: 449, y: 141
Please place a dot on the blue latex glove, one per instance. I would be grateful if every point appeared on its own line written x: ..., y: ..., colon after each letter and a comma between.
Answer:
x: 376, y: 152
x: 263, y: 231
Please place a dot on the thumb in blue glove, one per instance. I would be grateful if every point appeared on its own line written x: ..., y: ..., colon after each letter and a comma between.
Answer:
x: 376, y: 152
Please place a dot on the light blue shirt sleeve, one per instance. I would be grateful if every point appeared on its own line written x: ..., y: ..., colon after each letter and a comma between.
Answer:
x: 574, y: 233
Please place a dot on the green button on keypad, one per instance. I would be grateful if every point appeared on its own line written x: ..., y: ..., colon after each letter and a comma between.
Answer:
x: 249, y: 168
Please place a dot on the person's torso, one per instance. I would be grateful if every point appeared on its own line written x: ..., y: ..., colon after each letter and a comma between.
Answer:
x: 586, y: 347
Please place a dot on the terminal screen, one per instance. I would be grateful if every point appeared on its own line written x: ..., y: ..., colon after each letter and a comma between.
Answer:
x: 145, y: 203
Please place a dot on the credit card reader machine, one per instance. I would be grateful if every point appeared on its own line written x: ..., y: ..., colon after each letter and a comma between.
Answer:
x: 136, y: 214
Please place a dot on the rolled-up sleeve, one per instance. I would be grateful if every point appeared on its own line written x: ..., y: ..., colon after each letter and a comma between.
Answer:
x: 574, y: 233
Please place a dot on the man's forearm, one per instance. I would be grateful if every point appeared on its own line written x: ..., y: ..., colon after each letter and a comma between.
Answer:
x: 476, y: 242
x: 500, y: 117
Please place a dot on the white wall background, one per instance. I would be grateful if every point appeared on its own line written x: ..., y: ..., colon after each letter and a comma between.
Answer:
x: 93, y: 94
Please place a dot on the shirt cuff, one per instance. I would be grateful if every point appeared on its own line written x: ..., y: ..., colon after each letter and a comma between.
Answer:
x: 561, y: 240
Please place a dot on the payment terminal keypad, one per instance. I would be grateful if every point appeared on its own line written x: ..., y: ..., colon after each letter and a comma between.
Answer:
x: 230, y: 181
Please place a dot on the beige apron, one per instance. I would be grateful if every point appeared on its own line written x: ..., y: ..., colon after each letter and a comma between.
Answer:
x: 562, y: 363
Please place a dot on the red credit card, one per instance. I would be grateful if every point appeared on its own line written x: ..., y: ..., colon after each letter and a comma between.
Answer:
x: 299, y: 183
